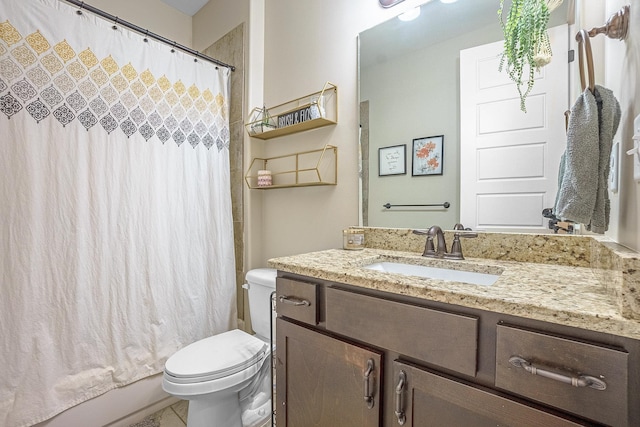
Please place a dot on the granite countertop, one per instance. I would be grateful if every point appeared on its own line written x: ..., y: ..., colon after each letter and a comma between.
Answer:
x: 568, y: 295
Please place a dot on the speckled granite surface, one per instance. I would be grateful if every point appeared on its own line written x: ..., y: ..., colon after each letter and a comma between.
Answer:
x: 539, y: 248
x: 577, y: 281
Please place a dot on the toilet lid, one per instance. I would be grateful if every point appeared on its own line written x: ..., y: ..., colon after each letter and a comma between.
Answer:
x: 215, y: 357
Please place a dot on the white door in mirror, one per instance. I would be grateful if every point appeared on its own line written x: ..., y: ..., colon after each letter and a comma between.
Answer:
x: 509, y: 160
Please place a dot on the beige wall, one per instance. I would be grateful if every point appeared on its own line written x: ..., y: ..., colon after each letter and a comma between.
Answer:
x: 306, y: 44
x: 622, y: 75
x: 301, y: 45
x: 217, y: 18
x: 617, y: 66
x: 309, y: 42
x: 152, y: 15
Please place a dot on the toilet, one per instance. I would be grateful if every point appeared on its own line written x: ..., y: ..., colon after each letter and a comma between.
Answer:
x: 226, y: 378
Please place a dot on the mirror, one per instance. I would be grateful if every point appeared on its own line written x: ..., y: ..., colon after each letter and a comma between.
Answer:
x: 416, y: 64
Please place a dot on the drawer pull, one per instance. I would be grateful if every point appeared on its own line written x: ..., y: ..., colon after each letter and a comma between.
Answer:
x: 399, y: 411
x: 580, y: 381
x: 293, y: 300
x: 367, y: 375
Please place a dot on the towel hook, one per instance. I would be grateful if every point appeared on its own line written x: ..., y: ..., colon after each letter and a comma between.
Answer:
x: 584, y: 44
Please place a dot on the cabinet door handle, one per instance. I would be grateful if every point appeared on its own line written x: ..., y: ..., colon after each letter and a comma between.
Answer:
x: 399, y: 411
x: 367, y: 376
x: 293, y: 300
x: 576, y: 381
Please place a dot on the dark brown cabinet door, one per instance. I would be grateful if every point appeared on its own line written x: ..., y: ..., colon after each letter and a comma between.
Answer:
x: 322, y: 381
x: 423, y: 398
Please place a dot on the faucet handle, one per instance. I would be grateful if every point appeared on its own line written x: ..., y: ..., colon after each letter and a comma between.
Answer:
x: 429, y: 249
x: 456, y: 246
x: 459, y: 226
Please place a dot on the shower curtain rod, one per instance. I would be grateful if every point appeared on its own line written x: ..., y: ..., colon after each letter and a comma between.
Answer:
x: 146, y: 33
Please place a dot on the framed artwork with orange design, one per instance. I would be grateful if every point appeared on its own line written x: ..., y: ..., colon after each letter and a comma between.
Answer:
x: 428, y: 155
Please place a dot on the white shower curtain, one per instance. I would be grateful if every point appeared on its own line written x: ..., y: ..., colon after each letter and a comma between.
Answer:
x: 116, y: 240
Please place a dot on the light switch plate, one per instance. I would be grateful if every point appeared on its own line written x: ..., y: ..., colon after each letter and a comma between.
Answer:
x: 635, y: 151
x: 613, y: 167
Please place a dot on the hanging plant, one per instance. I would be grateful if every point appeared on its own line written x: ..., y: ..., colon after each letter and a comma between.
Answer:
x: 526, y: 42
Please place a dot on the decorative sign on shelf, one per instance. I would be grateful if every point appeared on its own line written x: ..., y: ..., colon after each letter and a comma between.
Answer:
x: 305, y: 114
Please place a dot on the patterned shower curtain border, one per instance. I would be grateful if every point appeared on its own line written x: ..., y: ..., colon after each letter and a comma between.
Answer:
x: 52, y: 80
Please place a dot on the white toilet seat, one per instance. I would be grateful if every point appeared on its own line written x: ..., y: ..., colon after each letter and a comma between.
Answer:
x: 215, y: 363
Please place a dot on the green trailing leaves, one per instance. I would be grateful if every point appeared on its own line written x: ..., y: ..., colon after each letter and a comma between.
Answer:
x: 525, y: 38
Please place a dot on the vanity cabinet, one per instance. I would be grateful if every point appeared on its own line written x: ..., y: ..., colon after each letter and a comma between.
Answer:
x: 425, y: 398
x: 325, y: 381
x: 350, y: 356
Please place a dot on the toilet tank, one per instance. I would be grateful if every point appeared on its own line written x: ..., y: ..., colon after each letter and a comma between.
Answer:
x: 261, y: 282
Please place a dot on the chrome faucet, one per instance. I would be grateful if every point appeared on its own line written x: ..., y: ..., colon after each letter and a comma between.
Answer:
x: 440, y: 251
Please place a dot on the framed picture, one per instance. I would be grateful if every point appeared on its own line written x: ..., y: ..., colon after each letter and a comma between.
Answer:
x: 428, y: 156
x: 392, y: 160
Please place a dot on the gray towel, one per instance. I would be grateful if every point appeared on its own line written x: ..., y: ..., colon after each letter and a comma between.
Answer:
x: 584, y: 170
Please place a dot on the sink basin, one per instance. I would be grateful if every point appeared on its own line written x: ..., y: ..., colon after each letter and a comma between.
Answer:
x: 472, y: 277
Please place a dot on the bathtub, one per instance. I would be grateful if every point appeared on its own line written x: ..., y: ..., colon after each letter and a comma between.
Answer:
x: 120, y: 407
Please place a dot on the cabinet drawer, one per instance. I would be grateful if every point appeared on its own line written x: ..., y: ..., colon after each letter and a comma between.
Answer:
x: 297, y: 300
x: 557, y: 371
x: 427, y: 398
x: 443, y: 339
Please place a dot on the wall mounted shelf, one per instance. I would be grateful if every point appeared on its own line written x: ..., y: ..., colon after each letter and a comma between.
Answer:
x: 302, y: 169
x: 308, y: 112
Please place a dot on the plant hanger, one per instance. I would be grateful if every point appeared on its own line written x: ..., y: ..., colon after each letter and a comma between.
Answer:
x: 526, y: 42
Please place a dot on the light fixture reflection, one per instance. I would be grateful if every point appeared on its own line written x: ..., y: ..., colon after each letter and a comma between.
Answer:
x: 410, y: 15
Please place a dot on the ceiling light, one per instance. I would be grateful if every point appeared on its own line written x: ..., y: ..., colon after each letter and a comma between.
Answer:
x: 410, y: 15
x: 448, y: 1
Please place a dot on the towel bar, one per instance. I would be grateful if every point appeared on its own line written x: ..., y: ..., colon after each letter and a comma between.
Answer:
x: 444, y: 205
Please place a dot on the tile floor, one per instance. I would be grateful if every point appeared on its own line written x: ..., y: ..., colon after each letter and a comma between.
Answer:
x: 171, y: 416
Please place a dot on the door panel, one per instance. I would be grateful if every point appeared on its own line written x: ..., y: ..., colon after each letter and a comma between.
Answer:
x: 321, y: 380
x: 509, y: 160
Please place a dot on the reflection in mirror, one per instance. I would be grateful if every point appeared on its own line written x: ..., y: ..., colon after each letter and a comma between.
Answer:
x: 409, y: 75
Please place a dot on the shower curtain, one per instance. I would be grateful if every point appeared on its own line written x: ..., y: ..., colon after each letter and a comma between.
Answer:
x: 116, y: 236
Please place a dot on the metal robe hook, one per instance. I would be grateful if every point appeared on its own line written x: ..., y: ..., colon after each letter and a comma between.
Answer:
x: 115, y: 24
